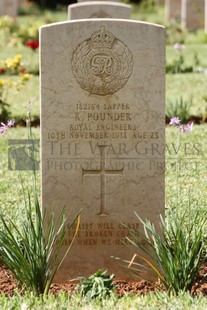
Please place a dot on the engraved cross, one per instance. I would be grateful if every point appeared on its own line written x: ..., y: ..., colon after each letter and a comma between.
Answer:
x: 102, y: 172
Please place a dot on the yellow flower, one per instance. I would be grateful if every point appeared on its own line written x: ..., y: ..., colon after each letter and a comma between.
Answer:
x: 13, y: 63
x: 18, y: 58
x: 25, y: 77
x: 8, y: 63
x: 2, y: 83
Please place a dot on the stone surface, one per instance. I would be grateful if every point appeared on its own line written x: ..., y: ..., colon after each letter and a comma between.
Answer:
x: 193, y: 14
x: 205, y: 15
x: 9, y: 7
x: 102, y: 134
x: 173, y: 10
x: 99, y: 9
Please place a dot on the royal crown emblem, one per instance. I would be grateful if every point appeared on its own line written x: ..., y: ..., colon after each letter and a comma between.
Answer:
x: 102, y: 64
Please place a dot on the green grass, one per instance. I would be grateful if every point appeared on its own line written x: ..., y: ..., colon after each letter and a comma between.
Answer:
x: 11, y: 197
x: 188, y: 85
x: 18, y: 100
x: 191, y: 162
x: 63, y: 301
x: 189, y: 180
x: 188, y: 52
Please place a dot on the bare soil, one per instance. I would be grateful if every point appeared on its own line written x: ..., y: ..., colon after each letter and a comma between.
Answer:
x: 8, y: 285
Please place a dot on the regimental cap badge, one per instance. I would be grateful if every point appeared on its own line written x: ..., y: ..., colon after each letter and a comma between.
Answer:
x: 102, y: 38
x: 102, y: 64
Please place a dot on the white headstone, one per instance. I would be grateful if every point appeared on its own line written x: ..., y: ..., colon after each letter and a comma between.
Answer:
x: 9, y: 7
x: 173, y: 10
x: 99, y: 9
x: 192, y: 16
x: 102, y: 134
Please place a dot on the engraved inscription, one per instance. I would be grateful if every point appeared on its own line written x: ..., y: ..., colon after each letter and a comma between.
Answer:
x: 102, y: 172
x: 102, y: 64
x: 104, y: 234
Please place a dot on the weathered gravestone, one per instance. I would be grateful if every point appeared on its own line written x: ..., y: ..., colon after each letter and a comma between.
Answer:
x: 173, y: 10
x: 102, y: 134
x: 192, y: 16
x: 9, y: 7
x: 99, y: 9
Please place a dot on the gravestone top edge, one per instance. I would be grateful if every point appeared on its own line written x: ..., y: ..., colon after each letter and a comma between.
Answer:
x: 105, y: 20
x: 100, y: 3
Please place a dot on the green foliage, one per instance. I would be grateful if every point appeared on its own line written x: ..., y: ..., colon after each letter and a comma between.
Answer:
x: 175, y: 34
x: 181, y: 85
x: 176, y: 254
x: 196, y: 37
x: 99, y: 285
x: 8, y: 24
x: 189, y: 53
x: 180, y: 108
x: 147, y: 5
x: 179, y: 66
x: 30, y: 31
x: 31, y: 9
x: 32, y: 251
